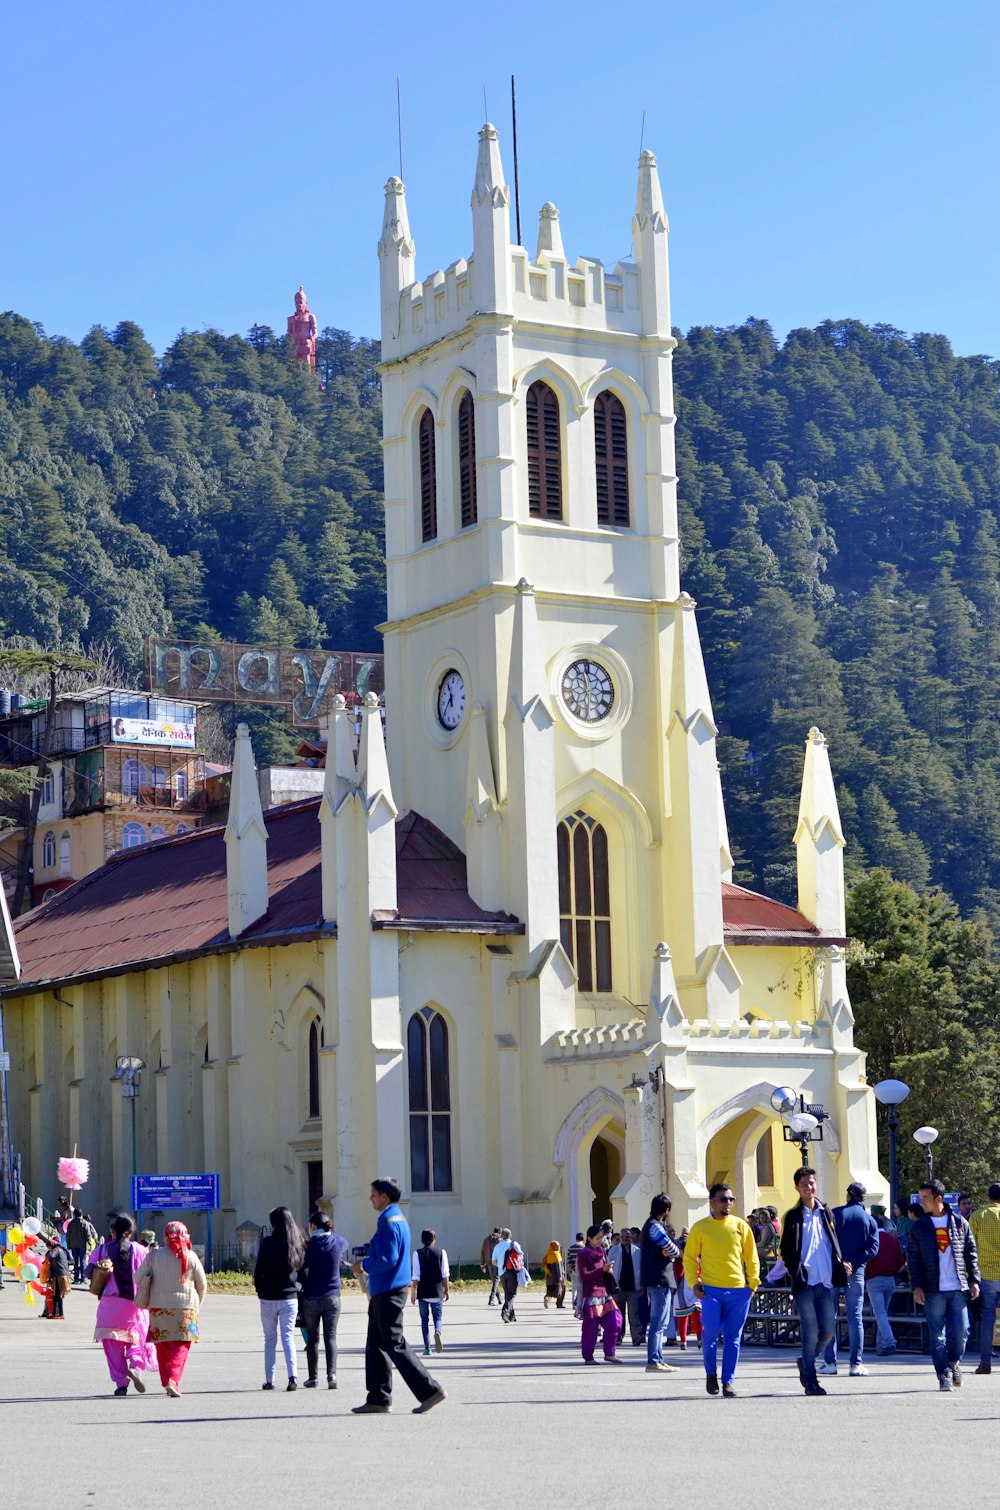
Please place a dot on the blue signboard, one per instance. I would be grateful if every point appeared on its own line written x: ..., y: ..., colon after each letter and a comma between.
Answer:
x: 175, y: 1192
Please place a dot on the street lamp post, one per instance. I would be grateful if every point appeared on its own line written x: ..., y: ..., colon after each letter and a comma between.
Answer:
x: 805, y: 1122
x: 892, y: 1093
x: 926, y: 1136
x: 128, y: 1069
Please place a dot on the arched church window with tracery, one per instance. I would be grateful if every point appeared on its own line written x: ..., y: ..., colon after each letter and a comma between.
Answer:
x: 428, y: 477
x: 429, y: 1080
x: 315, y: 1044
x: 544, y: 452
x: 611, y: 457
x: 467, y: 460
x: 585, y: 899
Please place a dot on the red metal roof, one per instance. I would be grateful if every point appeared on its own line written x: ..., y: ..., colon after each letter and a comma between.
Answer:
x: 167, y: 900
x: 750, y: 918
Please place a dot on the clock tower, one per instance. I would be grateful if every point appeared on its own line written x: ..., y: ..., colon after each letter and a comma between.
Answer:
x: 545, y: 688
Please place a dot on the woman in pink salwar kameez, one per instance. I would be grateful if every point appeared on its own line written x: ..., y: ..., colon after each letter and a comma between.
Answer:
x: 121, y: 1326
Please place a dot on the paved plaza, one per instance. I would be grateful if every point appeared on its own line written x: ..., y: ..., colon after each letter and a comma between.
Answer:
x: 525, y: 1423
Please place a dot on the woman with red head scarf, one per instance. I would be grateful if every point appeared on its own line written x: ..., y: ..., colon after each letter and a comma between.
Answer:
x: 171, y: 1283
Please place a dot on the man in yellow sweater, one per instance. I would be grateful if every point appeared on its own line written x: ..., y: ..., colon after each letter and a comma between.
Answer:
x: 723, y: 1270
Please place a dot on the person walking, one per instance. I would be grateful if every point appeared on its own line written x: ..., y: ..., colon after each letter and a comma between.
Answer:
x: 389, y: 1269
x: 487, y: 1265
x: 626, y: 1259
x: 880, y: 1279
x: 857, y: 1233
x: 722, y: 1266
x: 171, y: 1285
x: 944, y: 1276
x: 275, y: 1277
x: 985, y: 1226
x: 81, y: 1235
x: 121, y: 1326
x: 510, y: 1258
x: 572, y: 1253
x: 554, y: 1274
x: 656, y: 1256
x: 430, y: 1287
x: 319, y: 1302
x: 810, y: 1251
x: 55, y: 1273
x: 600, y: 1314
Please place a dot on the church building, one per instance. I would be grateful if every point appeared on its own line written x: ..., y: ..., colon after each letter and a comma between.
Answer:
x: 502, y: 957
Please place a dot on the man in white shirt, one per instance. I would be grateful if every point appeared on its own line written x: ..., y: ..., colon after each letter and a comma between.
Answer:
x: 430, y: 1285
x: 508, y: 1268
x: 944, y: 1276
x: 624, y: 1257
x: 810, y: 1250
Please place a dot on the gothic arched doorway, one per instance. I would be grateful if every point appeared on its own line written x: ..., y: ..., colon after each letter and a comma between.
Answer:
x: 605, y: 1175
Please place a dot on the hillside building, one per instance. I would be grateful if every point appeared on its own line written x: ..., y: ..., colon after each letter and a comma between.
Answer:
x: 502, y: 955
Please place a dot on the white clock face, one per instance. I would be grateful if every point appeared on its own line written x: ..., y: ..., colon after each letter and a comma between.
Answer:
x: 588, y: 691
x: 451, y: 700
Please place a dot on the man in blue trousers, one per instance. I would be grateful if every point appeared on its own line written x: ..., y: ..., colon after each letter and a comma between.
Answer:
x: 857, y: 1233
x: 389, y: 1270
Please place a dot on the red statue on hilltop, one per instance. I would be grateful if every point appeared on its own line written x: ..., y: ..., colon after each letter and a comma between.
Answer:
x: 302, y: 329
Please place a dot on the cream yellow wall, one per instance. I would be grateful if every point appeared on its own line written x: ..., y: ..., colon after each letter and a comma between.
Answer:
x: 779, y: 984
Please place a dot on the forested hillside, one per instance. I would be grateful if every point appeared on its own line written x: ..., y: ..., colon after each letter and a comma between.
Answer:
x: 840, y: 500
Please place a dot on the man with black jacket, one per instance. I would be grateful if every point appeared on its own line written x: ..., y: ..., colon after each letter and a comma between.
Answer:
x: 943, y: 1262
x: 857, y: 1233
x: 810, y: 1251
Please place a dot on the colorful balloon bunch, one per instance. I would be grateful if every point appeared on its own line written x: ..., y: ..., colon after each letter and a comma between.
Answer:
x: 20, y: 1257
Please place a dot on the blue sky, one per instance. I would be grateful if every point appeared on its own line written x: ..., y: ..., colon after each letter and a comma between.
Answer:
x: 189, y: 164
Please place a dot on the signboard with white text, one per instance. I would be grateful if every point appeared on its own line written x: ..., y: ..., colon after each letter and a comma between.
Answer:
x: 148, y: 731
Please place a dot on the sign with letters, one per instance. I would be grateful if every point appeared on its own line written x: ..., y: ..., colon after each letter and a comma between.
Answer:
x: 304, y: 681
x: 175, y: 1192
x: 145, y: 731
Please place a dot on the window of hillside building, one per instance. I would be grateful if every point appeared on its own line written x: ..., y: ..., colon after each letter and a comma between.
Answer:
x: 544, y: 452
x: 428, y: 477
x: 48, y: 850
x: 133, y: 834
x: 64, y: 849
x: 467, y: 459
x: 181, y: 786
x: 158, y: 831
x: 429, y: 1080
x: 134, y: 775
x: 611, y: 457
x: 585, y: 899
x: 48, y: 894
x: 315, y: 1044
x: 48, y: 787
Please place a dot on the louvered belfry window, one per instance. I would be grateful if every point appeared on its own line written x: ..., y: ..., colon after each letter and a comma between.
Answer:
x: 467, y: 459
x: 585, y: 899
x: 428, y: 478
x: 544, y: 453
x: 611, y: 454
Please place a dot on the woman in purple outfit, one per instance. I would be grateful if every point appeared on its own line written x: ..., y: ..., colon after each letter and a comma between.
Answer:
x: 600, y: 1314
x: 120, y: 1325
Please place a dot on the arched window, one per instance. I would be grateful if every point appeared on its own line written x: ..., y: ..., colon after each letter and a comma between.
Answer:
x: 467, y: 459
x: 158, y: 831
x: 544, y: 453
x: 430, y: 1101
x: 64, y: 848
x: 428, y: 477
x: 48, y: 788
x: 611, y: 455
x: 315, y: 1044
x: 133, y: 834
x: 48, y: 850
x: 134, y: 775
x: 48, y: 893
x: 585, y: 899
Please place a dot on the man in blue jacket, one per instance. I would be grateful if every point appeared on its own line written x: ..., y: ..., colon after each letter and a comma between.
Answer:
x: 857, y: 1233
x: 389, y: 1268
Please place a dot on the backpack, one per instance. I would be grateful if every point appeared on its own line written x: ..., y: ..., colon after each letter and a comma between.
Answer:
x: 512, y: 1259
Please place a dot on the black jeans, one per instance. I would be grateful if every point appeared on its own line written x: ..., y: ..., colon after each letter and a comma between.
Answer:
x: 314, y: 1309
x: 386, y: 1346
x: 79, y: 1264
x: 509, y: 1294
